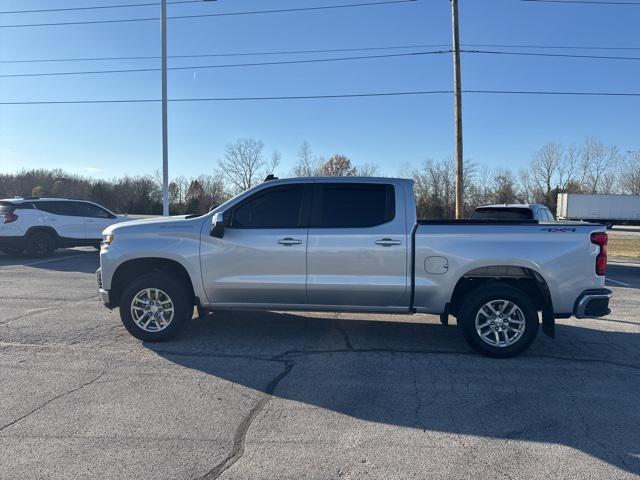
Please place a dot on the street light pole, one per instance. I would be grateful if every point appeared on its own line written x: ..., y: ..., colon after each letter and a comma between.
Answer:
x: 165, y: 121
x: 165, y: 124
x: 457, y: 88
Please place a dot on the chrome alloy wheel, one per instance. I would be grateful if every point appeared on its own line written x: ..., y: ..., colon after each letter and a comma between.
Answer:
x: 152, y: 310
x: 500, y: 323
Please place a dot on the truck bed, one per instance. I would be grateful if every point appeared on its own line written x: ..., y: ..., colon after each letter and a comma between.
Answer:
x: 559, y: 253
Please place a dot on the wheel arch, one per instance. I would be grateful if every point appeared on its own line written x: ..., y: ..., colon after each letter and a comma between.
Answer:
x: 45, y: 229
x: 131, y: 269
x: 524, y: 278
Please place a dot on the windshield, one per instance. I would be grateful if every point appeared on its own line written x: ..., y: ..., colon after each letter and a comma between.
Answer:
x: 502, y: 214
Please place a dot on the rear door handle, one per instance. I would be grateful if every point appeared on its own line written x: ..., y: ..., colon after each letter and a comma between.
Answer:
x: 288, y: 242
x: 388, y: 242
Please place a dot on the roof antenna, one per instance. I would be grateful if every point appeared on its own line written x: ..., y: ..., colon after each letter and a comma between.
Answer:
x: 270, y: 177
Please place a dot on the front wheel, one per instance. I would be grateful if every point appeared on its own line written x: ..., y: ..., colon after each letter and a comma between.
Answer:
x: 155, y: 307
x: 498, y: 320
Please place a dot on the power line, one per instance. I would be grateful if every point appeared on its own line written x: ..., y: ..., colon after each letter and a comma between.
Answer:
x: 584, y: 2
x: 96, y: 7
x: 229, y: 65
x: 233, y: 54
x: 204, y: 15
x: 330, y: 50
x: 318, y: 60
x: 550, y: 47
x: 560, y: 55
x: 338, y: 96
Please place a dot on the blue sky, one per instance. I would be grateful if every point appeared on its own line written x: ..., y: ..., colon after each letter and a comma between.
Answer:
x: 500, y: 130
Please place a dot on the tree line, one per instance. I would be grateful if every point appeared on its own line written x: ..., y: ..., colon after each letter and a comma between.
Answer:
x: 591, y: 167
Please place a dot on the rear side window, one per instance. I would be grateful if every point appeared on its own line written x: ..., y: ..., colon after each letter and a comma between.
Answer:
x: 502, y: 214
x: 277, y: 207
x: 70, y: 209
x: 353, y: 205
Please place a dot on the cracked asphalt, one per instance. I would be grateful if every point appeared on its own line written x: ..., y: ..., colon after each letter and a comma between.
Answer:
x: 248, y: 395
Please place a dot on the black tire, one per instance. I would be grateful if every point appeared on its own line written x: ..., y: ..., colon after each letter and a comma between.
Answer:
x: 12, y: 251
x: 477, y: 299
x: 40, y: 245
x: 178, y: 295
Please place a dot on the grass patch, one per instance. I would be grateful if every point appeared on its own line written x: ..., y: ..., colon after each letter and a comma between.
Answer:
x: 624, y: 247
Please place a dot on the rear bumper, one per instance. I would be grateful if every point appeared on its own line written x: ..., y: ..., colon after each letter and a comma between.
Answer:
x: 593, y: 303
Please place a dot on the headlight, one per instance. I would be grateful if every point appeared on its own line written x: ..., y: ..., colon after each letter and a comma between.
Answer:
x: 107, y: 240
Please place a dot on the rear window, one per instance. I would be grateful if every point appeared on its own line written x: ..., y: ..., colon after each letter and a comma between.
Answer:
x: 502, y: 214
x: 7, y: 207
x: 353, y: 205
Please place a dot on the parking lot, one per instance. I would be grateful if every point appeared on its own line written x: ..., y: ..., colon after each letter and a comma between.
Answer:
x: 304, y: 396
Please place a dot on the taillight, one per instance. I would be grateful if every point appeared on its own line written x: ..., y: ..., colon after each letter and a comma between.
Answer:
x: 10, y: 217
x: 600, y: 239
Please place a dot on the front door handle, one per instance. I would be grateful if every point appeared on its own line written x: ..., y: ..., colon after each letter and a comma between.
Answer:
x: 388, y: 242
x: 288, y: 242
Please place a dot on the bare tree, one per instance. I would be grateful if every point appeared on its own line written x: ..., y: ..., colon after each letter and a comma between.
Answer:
x: 630, y: 173
x: 306, y: 166
x: 367, y: 170
x: 338, y: 166
x: 544, y: 167
x: 598, y: 160
x: 569, y: 172
x: 504, y: 186
x: 243, y: 165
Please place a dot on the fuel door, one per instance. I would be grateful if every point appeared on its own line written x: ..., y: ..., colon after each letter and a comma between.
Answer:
x: 436, y: 265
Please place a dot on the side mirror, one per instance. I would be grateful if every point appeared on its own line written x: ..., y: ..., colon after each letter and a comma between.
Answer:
x: 217, y: 225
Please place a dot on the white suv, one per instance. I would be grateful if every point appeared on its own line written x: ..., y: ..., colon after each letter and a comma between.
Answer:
x: 40, y: 225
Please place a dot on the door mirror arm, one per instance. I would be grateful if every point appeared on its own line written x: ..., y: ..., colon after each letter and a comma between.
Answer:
x: 217, y: 225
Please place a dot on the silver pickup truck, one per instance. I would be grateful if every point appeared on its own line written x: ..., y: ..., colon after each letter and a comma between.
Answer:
x: 354, y: 245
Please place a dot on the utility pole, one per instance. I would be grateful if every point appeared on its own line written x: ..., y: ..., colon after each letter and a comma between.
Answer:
x: 165, y: 126
x: 457, y: 105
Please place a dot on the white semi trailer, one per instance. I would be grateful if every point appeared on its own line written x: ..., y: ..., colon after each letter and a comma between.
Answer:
x: 609, y: 210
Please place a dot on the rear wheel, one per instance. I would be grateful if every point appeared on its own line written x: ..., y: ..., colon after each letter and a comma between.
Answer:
x: 155, y: 307
x: 498, y: 320
x: 40, y: 244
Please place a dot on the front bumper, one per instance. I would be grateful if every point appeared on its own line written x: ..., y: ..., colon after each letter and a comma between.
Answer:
x: 103, y: 294
x: 593, y: 303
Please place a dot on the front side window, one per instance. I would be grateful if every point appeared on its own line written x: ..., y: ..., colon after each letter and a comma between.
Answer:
x: 353, y: 205
x: 94, y: 211
x: 277, y: 207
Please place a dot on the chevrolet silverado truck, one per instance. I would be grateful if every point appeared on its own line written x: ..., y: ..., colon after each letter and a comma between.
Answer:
x: 354, y: 245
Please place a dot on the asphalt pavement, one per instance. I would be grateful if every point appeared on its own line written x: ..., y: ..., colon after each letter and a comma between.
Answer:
x: 249, y: 395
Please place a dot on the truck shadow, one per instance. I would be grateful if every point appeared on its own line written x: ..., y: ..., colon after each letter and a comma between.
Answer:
x: 83, y: 260
x: 580, y: 390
